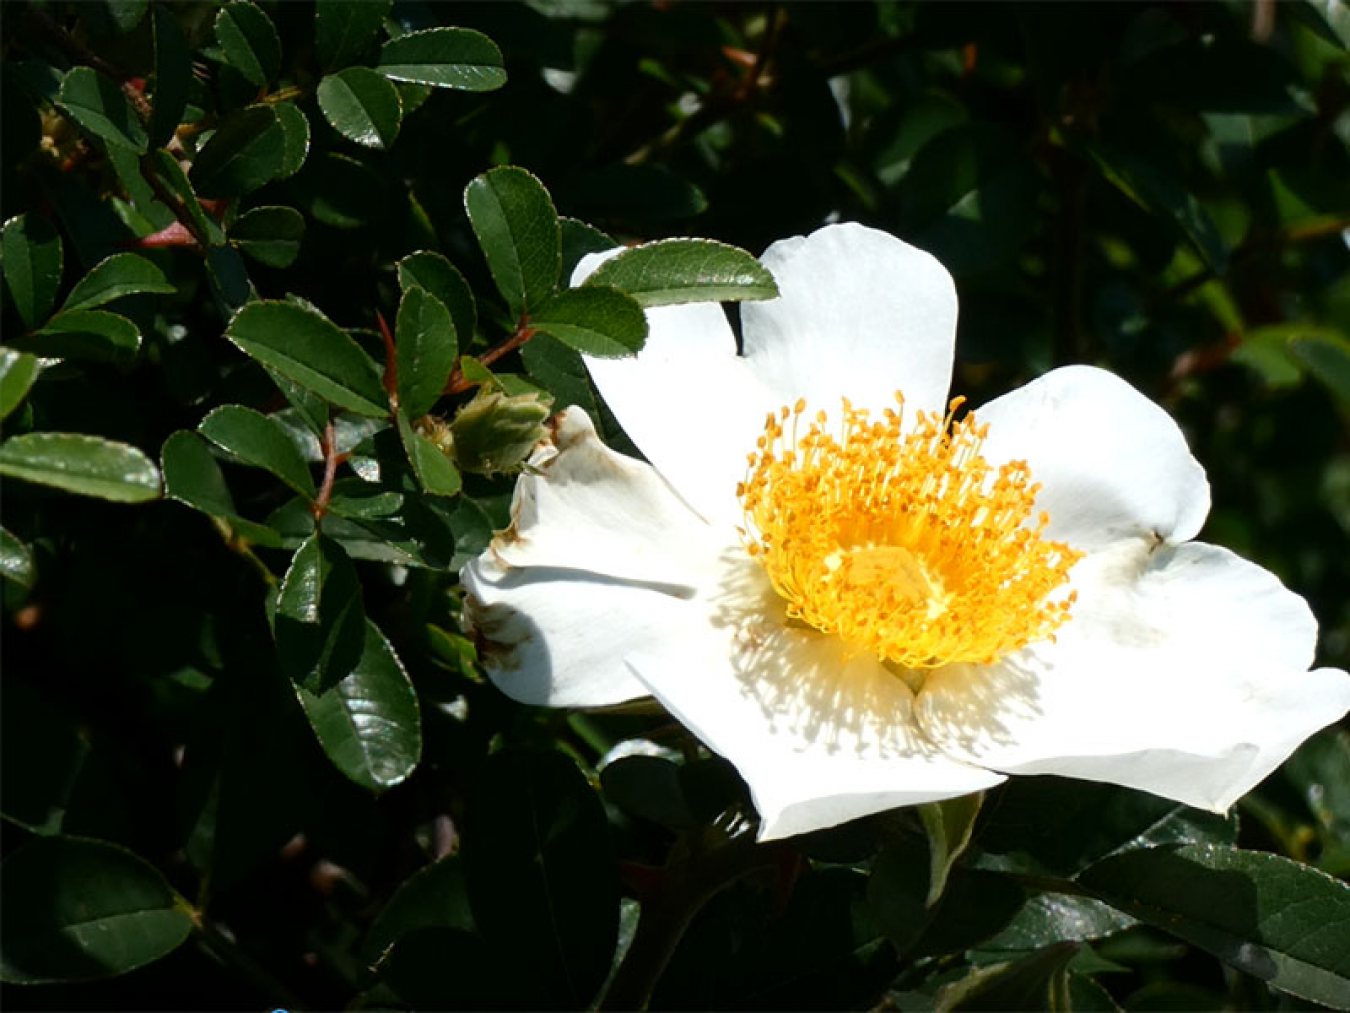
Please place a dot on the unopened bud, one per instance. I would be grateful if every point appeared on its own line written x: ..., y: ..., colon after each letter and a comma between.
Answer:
x: 495, y: 432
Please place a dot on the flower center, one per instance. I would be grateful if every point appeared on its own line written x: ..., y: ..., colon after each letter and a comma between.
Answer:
x: 903, y: 541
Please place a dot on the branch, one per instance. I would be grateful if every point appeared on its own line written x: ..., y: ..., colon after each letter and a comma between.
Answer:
x: 330, y: 462
x: 457, y: 384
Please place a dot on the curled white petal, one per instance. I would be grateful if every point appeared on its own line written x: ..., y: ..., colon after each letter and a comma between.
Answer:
x: 860, y: 315
x: 1111, y: 464
x: 1183, y: 672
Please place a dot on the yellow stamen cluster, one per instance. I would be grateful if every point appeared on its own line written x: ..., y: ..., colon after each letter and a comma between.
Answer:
x: 903, y: 541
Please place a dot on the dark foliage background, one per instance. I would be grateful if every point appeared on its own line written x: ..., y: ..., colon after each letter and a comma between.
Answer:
x: 1163, y: 189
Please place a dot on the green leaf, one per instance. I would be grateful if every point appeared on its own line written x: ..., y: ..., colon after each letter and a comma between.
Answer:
x: 541, y: 875
x: 434, y: 896
x: 249, y: 41
x: 948, y: 825
x: 594, y: 320
x: 362, y: 106
x: 18, y: 370
x: 513, y: 217
x: 30, y: 251
x: 359, y: 500
x: 1038, y: 981
x: 117, y: 276
x: 686, y: 270
x: 16, y: 560
x: 172, y: 77
x: 1326, y: 355
x: 98, y: 105
x: 295, y: 126
x: 431, y: 271
x: 270, y: 235
x: 425, y: 339
x: 369, y: 723
x: 343, y: 29
x: 306, y: 347
x: 648, y: 786
x: 435, y: 472
x: 84, y: 334
x: 579, y: 239
x: 193, y: 477
x: 246, y: 152
x: 1274, y: 919
x: 84, y: 465
x: 77, y: 910
x: 257, y: 440
x: 320, y: 623
x: 1058, y: 918
x: 229, y: 279
x: 561, y: 371
x: 127, y: 14
x: 444, y: 58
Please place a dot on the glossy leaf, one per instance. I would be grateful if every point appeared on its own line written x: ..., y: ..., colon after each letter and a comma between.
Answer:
x: 444, y: 58
x: 435, y: 472
x: 594, y: 320
x: 343, y: 29
x: 120, y: 275
x: 320, y: 622
x: 512, y: 215
x: 172, y: 77
x: 686, y: 270
x: 1049, y: 918
x: 270, y: 235
x: 249, y: 41
x: 76, y: 909
x: 30, y: 252
x: 540, y: 873
x: 248, y: 150
x: 306, y: 347
x: 1275, y: 919
x: 295, y: 127
x: 193, y: 477
x: 18, y: 370
x: 84, y: 334
x: 369, y: 723
x: 358, y: 500
x: 258, y: 440
x: 429, y: 270
x: 16, y: 560
x: 362, y: 106
x: 425, y: 339
x: 98, y: 104
x: 84, y: 465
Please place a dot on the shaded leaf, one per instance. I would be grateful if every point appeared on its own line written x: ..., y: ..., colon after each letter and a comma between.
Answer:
x: 320, y: 621
x: 444, y: 58
x: 369, y: 723
x: 193, y: 477
x: 594, y: 320
x: 249, y: 41
x: 686, y: 270
x: 270, y: 235
x: 16, y: 560
x: 30, y: 251
x: 512, y: 215
x: 431, y: 271
x: 1057, y: 918
x: 127, y: 14
x: 306, y: 347
x: 948, y: 825
x: 172, y: 76
x: 248, y: 150
x: 171, y: 174
x: 1275, y: 919
x: 84, y: 465
x: 435, y: 896
x: 257, y: 440
x: 75, y: 910
x: 84, y: 334
x: 120, y: 275
x: 425, y: 340
x: 295, y: 126
x: 343, y: 29
x: 648, y: 786
x: 362, y: 106
x: 98, y: 105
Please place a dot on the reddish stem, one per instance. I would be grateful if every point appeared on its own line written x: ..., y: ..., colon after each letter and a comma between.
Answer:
x: 390, y: 360
x: 457, y: 384
x: 328, y: 444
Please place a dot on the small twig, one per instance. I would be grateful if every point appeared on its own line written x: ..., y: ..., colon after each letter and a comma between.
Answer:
x: 81, y: 53
x: 457, y: 384
x: 330, y: 462
x: 390, y: 360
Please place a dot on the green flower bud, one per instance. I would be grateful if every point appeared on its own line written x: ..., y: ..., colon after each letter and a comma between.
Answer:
x: 495, y: 432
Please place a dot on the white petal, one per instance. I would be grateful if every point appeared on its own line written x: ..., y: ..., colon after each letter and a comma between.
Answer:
x: 581, y: 506
x: 1182, y: 672
x: 1111, y: 463
x: 687, y: 401
x: 558, y: 638
x: 819, y: 738
x: 860, y: 315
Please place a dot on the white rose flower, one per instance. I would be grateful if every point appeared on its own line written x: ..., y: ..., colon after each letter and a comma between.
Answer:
x: 864, y: 603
